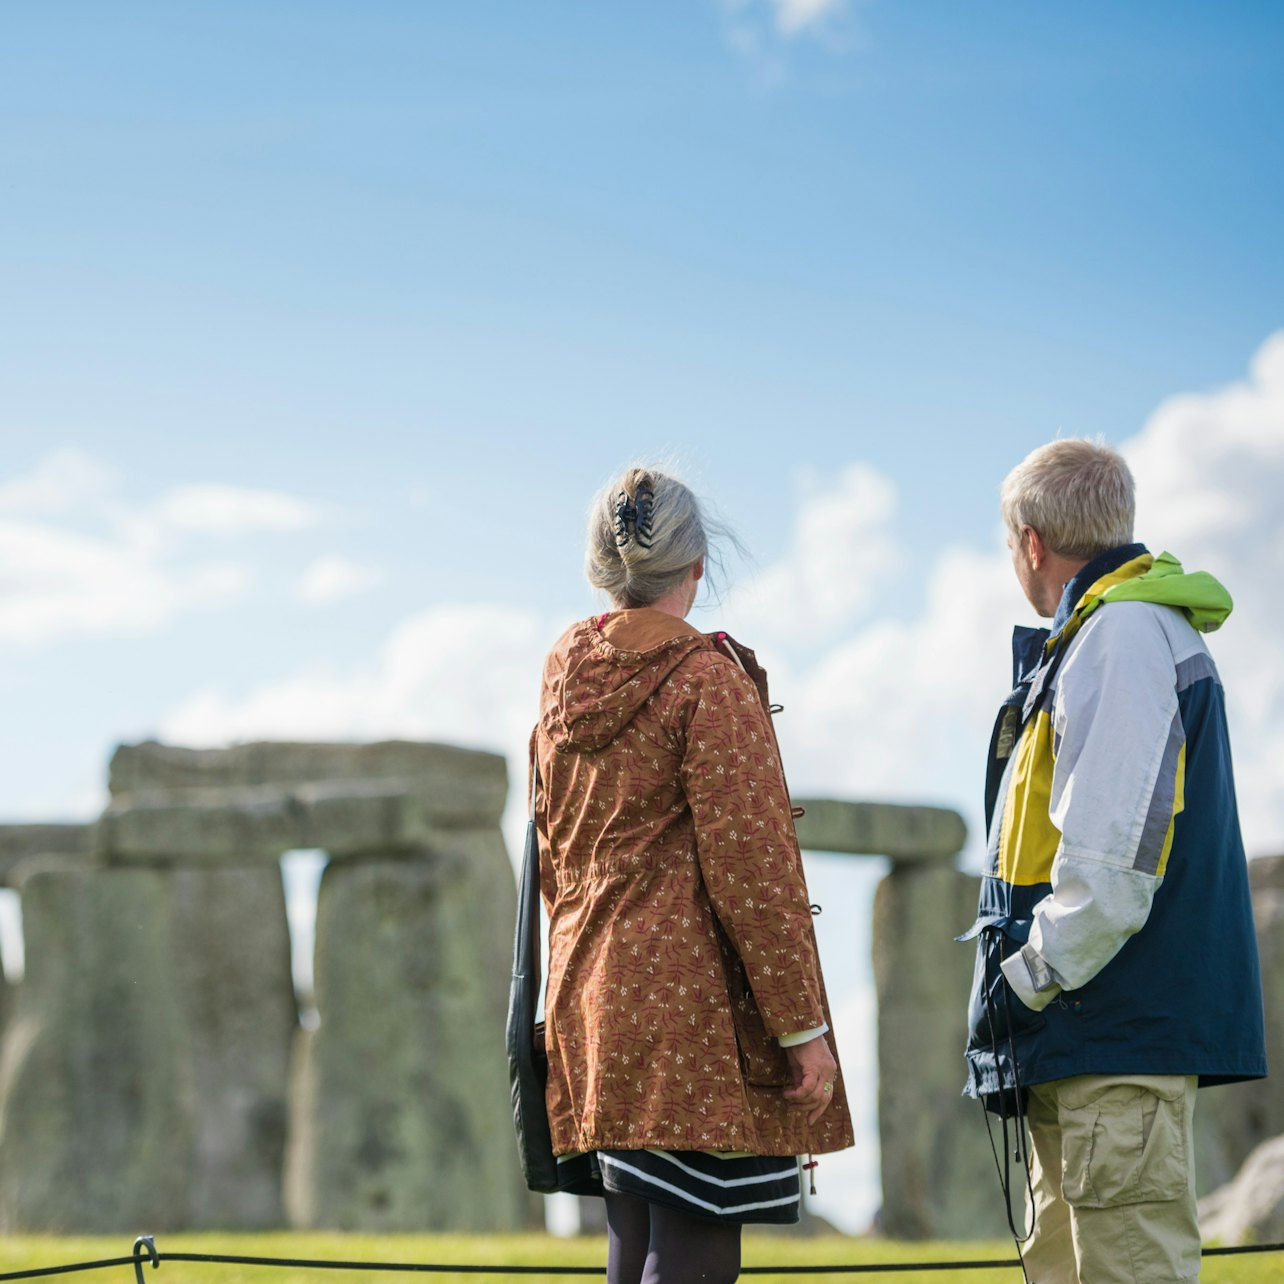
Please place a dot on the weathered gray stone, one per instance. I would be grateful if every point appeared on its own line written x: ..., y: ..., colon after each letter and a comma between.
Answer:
x: 881, y: 829
x: 460, y: 785
x: 350, y: 818
x: 19, y: 844
x: 254, y: 802
x: 1250, y: 1209
x: 231, y: 973
x: 296, y: 1181
x: 938, y: 1171
x: 144, y: 1077
x: 96, y: 1091
x: 253, y: 825
x: 206, y: 825
x: 410, y: 1126
x: 1231, y: 1121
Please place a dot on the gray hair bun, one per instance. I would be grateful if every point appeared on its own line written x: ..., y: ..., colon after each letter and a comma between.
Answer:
x: 645, y: 532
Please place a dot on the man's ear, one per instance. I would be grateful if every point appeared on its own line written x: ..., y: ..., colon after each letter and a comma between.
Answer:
x: 1035, y: 546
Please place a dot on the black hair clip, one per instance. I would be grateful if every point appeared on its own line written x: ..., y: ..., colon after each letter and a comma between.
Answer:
x: 639, y: 515
x: 646, y: 517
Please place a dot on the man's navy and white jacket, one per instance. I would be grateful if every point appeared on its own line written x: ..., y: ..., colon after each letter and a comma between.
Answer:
x: 1115, y: 928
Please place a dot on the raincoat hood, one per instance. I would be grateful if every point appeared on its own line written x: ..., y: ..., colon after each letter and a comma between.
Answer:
x: 1131, y: 574
x: 603, y: 670
x: 1203, y: 598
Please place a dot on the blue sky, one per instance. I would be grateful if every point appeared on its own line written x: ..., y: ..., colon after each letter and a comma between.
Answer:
x: 322, y: 322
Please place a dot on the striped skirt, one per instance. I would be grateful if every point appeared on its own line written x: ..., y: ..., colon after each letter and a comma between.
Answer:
x: 722, y: 1188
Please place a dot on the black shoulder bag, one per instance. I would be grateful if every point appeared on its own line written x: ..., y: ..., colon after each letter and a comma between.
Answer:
x: 527, y: 1056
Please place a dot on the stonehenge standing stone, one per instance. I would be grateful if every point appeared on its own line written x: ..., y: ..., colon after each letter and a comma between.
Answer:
x: 41, y: 846
x: 96, y: 1090
x: 939, y: 1179
x: 145, y: 1079
x: 1231, y: 1120
x: 231, y: 973
x: 411, y: 1127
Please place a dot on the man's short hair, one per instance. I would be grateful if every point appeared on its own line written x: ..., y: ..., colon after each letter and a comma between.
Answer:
x: 1078, y: 494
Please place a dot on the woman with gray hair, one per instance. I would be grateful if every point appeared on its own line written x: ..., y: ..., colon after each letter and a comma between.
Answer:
x: 686, y: 1019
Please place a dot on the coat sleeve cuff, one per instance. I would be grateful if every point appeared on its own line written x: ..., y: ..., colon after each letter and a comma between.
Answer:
x: 1031, y: 979
x: 803, y: 1036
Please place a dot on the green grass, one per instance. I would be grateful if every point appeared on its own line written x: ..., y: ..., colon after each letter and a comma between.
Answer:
x: 32, y: 1252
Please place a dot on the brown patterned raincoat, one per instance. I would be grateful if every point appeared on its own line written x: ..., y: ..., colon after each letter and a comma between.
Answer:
x: 681, y: 940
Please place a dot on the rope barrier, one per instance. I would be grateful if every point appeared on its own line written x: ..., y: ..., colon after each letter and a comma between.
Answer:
x: 145, y: 1253
x: 67, y: 1270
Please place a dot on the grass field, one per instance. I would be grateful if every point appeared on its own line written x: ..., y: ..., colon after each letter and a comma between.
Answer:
x: 31, y: 1253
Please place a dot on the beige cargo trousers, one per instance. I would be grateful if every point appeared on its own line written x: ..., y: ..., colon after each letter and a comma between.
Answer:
x: 1113, y: 1174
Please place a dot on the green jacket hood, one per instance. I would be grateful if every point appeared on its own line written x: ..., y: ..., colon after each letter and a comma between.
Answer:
x: 1200, y: 595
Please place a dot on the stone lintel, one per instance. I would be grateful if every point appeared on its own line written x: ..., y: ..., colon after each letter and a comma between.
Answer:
x: 52, y: 844
x: 243, y: 826
x: 250, y: 825
x: 904, y: 833
x: 19, y: 841
x: 455, y: 782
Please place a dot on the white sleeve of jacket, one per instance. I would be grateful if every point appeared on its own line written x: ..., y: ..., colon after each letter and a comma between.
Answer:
x: 1117, y: 786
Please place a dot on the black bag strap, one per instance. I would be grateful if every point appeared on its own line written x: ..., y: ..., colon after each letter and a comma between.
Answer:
x: 527, y: 1061
x: 526, y: 950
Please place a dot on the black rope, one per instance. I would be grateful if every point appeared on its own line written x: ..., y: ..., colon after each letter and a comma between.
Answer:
x: 145, y: 1252
x: 435, y: 1268
x: 877, y: 1268
x: 1236, y: 1249
x: 68, y: 1270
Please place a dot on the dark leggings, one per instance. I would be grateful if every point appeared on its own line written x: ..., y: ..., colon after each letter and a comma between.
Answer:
x: 651, y: 1244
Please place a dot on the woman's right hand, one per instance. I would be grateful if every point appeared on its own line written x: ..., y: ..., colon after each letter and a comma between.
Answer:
x: 814, y: 1071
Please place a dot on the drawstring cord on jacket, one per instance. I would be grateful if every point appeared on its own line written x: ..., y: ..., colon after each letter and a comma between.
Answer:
x: 1020, y: 1151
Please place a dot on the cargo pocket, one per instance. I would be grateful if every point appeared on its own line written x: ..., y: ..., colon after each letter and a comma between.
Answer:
x: 1123, y: 1143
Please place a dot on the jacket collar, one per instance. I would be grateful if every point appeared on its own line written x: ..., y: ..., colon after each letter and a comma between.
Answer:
x: 1032, y: 647
x: 1101, y: 566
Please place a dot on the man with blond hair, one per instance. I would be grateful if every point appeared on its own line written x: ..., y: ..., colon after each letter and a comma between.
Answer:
x: 1116, y: 959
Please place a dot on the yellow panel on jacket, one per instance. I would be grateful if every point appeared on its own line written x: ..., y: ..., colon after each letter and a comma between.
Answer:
x: 1028, y: 840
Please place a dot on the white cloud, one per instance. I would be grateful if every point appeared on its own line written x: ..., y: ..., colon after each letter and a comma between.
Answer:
x: 796, y: 16
x: 464, y: 674
x: 233, y: 510
x: 59, y: 583
x: 59, y: 483
x: 77, y: 558
x: 1210, y: 483
x: 332, y: 578
x: 901, y: 710
x: 841, y: 551
x: 761, y: 31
